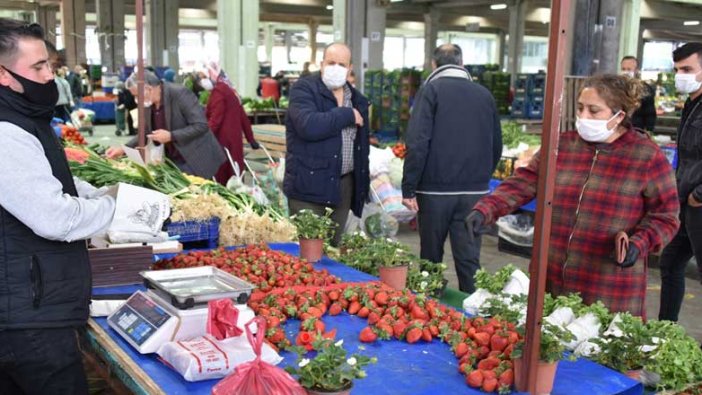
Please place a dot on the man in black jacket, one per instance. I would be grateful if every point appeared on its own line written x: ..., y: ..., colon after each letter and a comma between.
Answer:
x: 644, y: 117
x: 688, y: 242
x: 454, y: 142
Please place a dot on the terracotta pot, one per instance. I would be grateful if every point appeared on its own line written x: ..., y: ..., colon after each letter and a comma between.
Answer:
x: 311, y: 249
x: 345, y: 391
x: 395, y: 276
x: 545, y: 376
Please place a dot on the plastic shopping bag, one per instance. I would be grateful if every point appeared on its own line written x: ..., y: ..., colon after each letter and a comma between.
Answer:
x: 258, y: 377
x: 222, y: 317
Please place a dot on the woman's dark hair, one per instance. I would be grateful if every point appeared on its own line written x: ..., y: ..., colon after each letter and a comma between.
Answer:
x: 620, y: 92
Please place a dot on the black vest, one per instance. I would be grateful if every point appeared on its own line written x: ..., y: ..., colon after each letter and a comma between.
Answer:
x: 43, y: 283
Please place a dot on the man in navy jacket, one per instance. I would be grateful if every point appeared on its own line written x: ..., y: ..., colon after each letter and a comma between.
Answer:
x: 327, y: 142
x: 454, y: 142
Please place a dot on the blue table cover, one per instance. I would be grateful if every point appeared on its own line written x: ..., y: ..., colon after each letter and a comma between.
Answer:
x: 531, y: 206
x: 104, y: 111
x: 402, y: 368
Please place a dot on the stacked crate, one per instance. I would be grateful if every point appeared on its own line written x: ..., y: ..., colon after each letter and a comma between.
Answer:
x: 392, y: 95
x: 497, y: 83
x: 528, y: 100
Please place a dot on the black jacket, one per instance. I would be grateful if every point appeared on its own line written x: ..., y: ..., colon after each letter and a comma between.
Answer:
x: 313, y: 134
x: 454, y: 139
x: 689, y: 171
x: 644, y: 117
x: 45, y: 283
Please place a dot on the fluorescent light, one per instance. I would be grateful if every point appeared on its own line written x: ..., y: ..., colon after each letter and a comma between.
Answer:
x: 395, y: 1
x: 330, y: 7
x: 498, y: 6
x: 691, y: 23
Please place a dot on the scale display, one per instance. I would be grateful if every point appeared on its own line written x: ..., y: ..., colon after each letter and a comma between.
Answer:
x: 139, y: 318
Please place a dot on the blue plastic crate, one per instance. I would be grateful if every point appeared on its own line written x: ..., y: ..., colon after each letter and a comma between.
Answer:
x: 671, y: 153
x: 535, y: 111
x: 191, y: 231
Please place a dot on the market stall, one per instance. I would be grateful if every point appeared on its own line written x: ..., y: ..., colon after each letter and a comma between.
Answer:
x: 399, y: 363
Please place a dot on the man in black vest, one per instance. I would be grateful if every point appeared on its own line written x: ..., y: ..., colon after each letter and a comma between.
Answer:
x: 45, y: 217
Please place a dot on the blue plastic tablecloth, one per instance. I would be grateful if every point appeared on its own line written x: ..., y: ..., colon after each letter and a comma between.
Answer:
x: 531, y: 206
x: 104, y: 111
x: 422, y: 368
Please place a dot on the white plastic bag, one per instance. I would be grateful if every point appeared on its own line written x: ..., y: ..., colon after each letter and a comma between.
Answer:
x: 584, y: 328
x: 205, y: 358
x: 517, y: 229
x: 379, y: 160
x: 139, y: 210
x: 587, y: 349
x: 613, y: 329
x: 562, y: 317
x: 518, y: 284
x: 473, y: 303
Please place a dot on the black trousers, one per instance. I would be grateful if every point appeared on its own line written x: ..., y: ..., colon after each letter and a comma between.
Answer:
x: 340, y: 213
x: 674, y: 259
x: 442, y: 215
x: 41, y: 362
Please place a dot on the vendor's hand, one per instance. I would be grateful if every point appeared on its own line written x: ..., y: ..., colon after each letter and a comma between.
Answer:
x: 255, y: 145
x: 632, y: 255
x: 114, y: 152
x: 475, y: 225
x: 692, y: 202
x: 411, y: 203
x: 359, y: 118
x: 160, y: 136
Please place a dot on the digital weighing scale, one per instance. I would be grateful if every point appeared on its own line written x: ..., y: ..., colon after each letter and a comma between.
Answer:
x: 174, y: 307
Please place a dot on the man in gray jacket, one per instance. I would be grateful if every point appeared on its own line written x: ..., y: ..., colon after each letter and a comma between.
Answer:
x: 175, y: 118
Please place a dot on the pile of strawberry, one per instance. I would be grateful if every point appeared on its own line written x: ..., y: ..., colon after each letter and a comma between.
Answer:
x: 483, y: 347
x: 258, y: 264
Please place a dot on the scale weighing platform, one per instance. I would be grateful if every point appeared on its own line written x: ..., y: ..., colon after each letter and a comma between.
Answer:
x: 174, y: 307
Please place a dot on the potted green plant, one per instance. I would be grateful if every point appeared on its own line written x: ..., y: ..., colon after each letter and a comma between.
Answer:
x: 393, y: 262
x: 621, y: 347
x: 551, y: 350
x: 331, y: 371
x: 312, y: 231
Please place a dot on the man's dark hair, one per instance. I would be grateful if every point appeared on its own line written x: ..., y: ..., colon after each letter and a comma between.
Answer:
x: 631, y: 58
x: 688, y: 50
x: 448, y: 54
x: 11, y: 31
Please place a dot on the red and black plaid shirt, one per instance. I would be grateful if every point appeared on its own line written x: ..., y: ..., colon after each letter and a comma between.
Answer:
x: 600, y: 189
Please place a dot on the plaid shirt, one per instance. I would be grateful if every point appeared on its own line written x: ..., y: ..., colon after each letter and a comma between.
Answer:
x: 348, y: 135
x: 600, y: 189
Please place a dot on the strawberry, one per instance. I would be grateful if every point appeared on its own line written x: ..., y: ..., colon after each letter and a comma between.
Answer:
x: 364, y: 312
x: 498, y: 343
x: 475, y: 379
x: 490, y: 385
x: 418, y: 313
x: 275, y: 335
x: 482, y: 338
x: 354, y: 307
x: 334, y: 295
x: 426, y: 335
x: 381, y: 298
x: 399, y: 329
x: 367, y: 335
x: 489, y: 363
x: 413, y: 335
x: 489, y: 374
x: 512, y: 337
x: 373, y: 318
x: 460, y: 350
x: 489, y: 329
x: 335, y: 308
x: 506, y: 378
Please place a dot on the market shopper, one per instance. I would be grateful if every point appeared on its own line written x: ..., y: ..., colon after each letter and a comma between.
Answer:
x: 454, y: 142
x: 228, y: 121
x: 609, y: 178
x: 64, y: 104
x: 327, y: 142
x: 688, y: 241
x: 45, y: 217
x: 175, y: 118
x: 644, y: 117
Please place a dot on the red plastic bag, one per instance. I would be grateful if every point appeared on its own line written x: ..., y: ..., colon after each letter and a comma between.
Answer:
x: 257, y: 377
x: 222, y: 317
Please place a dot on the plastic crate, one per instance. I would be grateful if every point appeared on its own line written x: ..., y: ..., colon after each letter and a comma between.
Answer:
x: 671, y: 153
x: 196, y: 231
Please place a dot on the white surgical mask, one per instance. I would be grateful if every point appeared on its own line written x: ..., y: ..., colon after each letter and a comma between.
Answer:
x: 595, y: 130
x: 687, y: 83
x: 206, y: 84
x: 334, y: 76
x: 630, y: 74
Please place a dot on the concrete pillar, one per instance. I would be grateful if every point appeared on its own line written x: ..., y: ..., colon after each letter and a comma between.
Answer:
x: 312, y: 31
x: 517, y: 16
x: 611, y: 13
x: 339, y: 20
x: 162, y: 33
x: 238, y: 43
x: 376, y: 16
x: 431, y: 29
x: 110, y: 25
x: 268, y: 34
x: 73, y: 31
x: 631, y: 19
x: 355, y: 33
x: 46, y: 17
x: 501, y: 49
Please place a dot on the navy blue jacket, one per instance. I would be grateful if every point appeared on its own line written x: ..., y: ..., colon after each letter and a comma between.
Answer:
x: 313, y: 133
x: 454, y: 138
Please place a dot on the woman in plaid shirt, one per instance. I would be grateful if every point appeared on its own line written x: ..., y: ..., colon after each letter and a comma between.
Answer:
x: 610, y: 178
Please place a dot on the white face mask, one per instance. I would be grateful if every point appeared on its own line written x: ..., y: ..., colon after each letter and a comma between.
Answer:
x: 630, y: 74
x: 595, y: 130
x: 206, y: 84
x: 687, y: 83
x: 334, y: 76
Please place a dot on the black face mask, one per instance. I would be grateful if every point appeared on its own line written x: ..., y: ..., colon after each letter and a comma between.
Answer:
x: 39, y: 94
